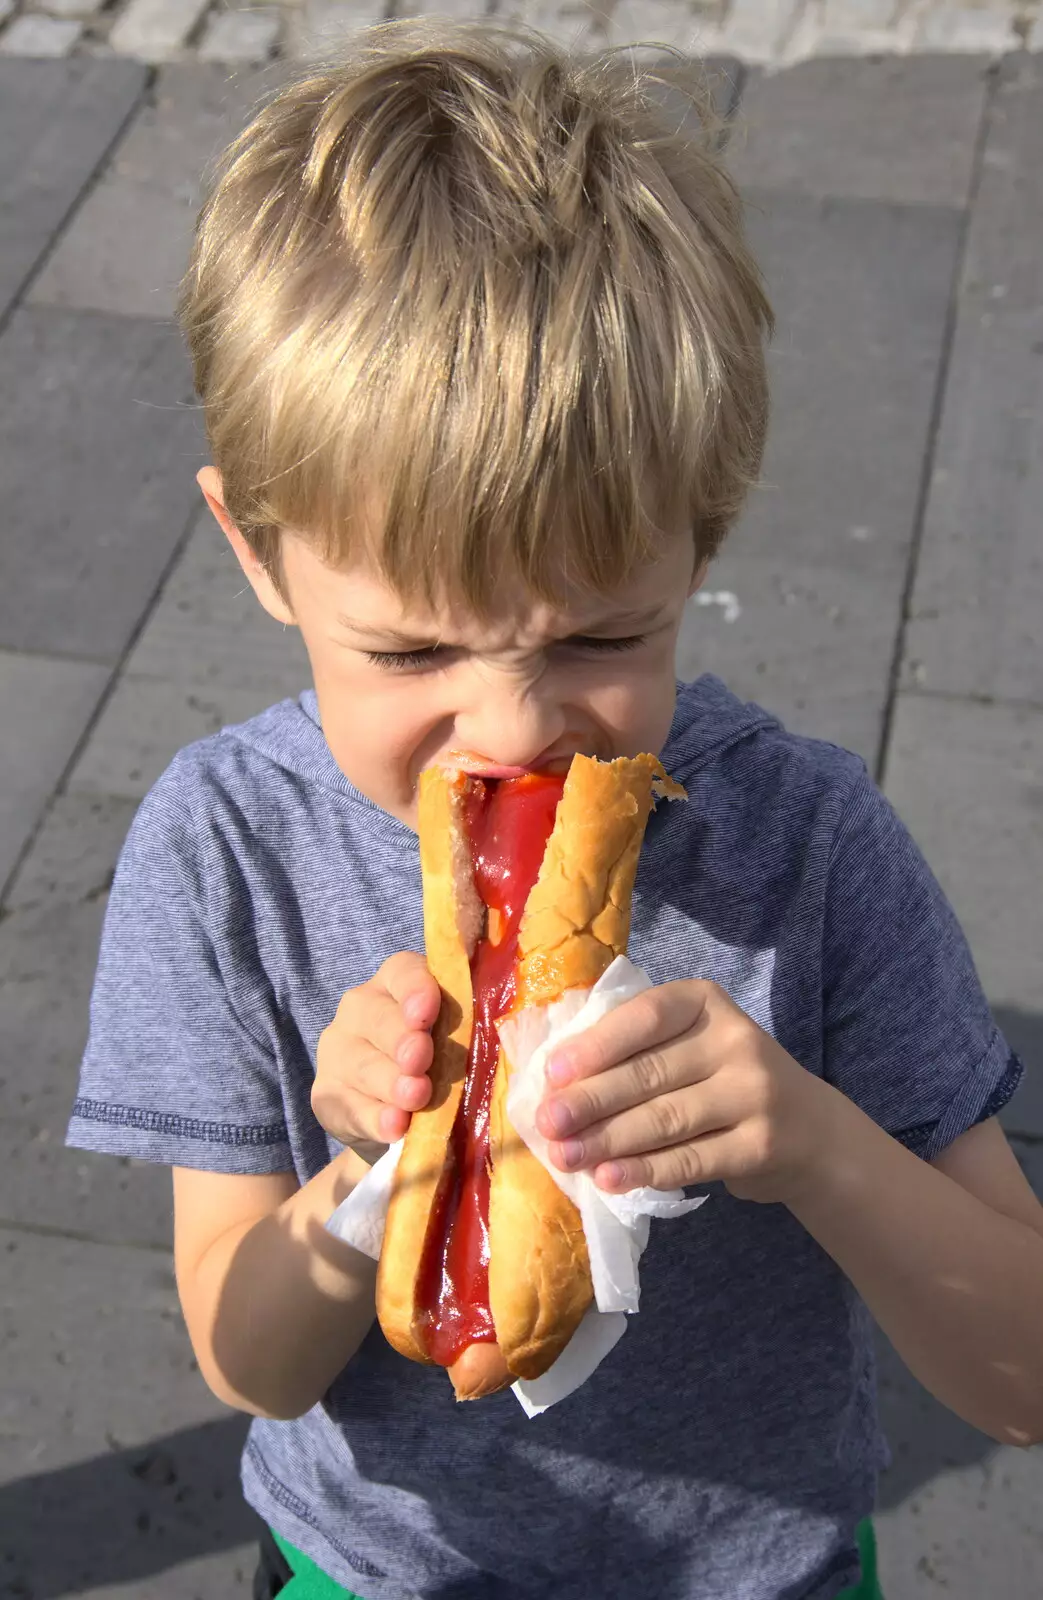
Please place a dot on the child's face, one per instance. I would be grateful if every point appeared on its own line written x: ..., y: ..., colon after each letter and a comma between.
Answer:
x: 400, y: 687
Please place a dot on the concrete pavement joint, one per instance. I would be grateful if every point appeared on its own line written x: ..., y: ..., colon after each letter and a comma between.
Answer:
x: 915, y: 691
x: 103, y: 701
x: 934, y: 426
x: 37, y: 266
x: 43, y: 1231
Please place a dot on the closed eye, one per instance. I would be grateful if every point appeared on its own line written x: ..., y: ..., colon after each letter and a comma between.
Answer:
x: 581, y: 642
x: 437, y: 655
x: 399, y: 660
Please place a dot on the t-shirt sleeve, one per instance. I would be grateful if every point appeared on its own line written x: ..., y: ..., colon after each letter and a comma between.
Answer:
x: 908, y: 1032
x: 178, y: 1068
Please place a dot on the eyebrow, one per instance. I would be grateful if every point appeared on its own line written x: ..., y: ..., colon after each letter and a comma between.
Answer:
x: 414, y: 641
x: 628, y: 619
x: 373, y: 631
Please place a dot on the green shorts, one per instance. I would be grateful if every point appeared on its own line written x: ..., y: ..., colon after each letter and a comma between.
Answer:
x: 308, y: 1583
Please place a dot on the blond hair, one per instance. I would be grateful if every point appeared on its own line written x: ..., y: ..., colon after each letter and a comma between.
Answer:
x: 479, y: 312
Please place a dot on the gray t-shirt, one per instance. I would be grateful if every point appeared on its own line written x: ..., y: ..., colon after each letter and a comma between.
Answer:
x: 728, y: 1446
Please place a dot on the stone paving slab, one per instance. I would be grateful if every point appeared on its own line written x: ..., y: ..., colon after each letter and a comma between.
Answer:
x: 41, y: 37
x: 241, y: 36
x: 143, y: 726
x: 48, y: 946
x: 47, y: 962
x: 127, y: 247
x: 819, y: 562
x: 97, y: 1198
x: 803, y: 641
x: 976, y: 622
x: 99, y: 441
x: 779, y: 32
x: 208, y: 629
x: 72, y: 858
x: 108, y: 1323
x: 117, y: 1467
x: 967, y: 778
x: 45, y: 707
x: 897, y: 128
x: 57, y: 120
x: 228, y: 1576
x: 316, y: 27
x: 956, y: 1512
x: 1003, y: 242
x: 157, y: 30
x: 209, y: 656
x: 958, y: 1515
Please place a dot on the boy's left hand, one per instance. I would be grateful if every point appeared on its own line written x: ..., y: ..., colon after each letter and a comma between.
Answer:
x: 678, y: 1086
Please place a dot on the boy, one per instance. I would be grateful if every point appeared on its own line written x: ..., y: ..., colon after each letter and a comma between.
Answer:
x: 480, y: 347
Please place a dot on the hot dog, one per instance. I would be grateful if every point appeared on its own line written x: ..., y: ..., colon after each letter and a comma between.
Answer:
x: 527, y: 883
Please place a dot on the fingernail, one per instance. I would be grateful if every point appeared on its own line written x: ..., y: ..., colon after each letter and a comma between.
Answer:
x: 413, y: 1009
x: 572, y: 1152
x: 610, y: 1174
x: 558, y: 1115
x: 559, y: 1068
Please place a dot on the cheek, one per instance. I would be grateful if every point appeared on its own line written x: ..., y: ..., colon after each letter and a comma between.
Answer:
x: 374, y: 721
x: 636, y: 699
x: 388, y: 713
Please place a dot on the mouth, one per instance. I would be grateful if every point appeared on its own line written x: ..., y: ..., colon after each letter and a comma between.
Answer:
x: 479, y: 766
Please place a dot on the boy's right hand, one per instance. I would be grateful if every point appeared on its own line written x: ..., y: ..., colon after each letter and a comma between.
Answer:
x: 372, y: 1062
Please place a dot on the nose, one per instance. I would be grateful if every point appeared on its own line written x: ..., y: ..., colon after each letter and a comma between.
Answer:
x: 509, y: 718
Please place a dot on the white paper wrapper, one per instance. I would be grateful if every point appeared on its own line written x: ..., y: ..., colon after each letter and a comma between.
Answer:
x: 359, y: 1220
x: 616, y: 1226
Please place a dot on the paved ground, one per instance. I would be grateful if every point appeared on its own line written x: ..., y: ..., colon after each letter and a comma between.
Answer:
x: 771, y: 31
x: 885, y: 590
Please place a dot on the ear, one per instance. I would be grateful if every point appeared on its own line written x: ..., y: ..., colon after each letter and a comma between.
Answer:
x: 209, y: 480
x: 698, y: 578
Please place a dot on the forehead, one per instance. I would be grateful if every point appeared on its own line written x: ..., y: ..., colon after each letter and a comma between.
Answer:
x: 358, y: 592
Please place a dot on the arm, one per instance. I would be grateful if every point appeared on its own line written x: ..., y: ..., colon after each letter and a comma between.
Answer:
x: 949, y: 1259
x: 275, y: 1305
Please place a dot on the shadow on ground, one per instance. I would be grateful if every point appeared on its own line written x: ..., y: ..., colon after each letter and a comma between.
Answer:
x: 129, y: 1515
x: 125, y: 1516
x: 926, y: 1440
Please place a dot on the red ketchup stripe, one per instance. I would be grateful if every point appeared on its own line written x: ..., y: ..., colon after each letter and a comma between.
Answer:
x: 509, y: 823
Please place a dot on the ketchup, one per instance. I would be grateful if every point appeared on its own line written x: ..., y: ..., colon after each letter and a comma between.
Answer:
x: 508, y: 823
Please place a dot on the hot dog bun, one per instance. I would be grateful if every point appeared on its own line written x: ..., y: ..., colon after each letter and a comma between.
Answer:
x: 452, y: 926
x: 576, y: 921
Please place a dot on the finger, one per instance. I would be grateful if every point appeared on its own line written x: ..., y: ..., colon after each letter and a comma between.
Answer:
x: 378, y: 1078
x: 658, y: 1124
x: 385, y: 1026
x: 351, y: 1117
x: 406, y: 978
x: 650, y: 1019
x: 632, y: 1083
x: 392, y: 1123
x: 707, y: 1159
